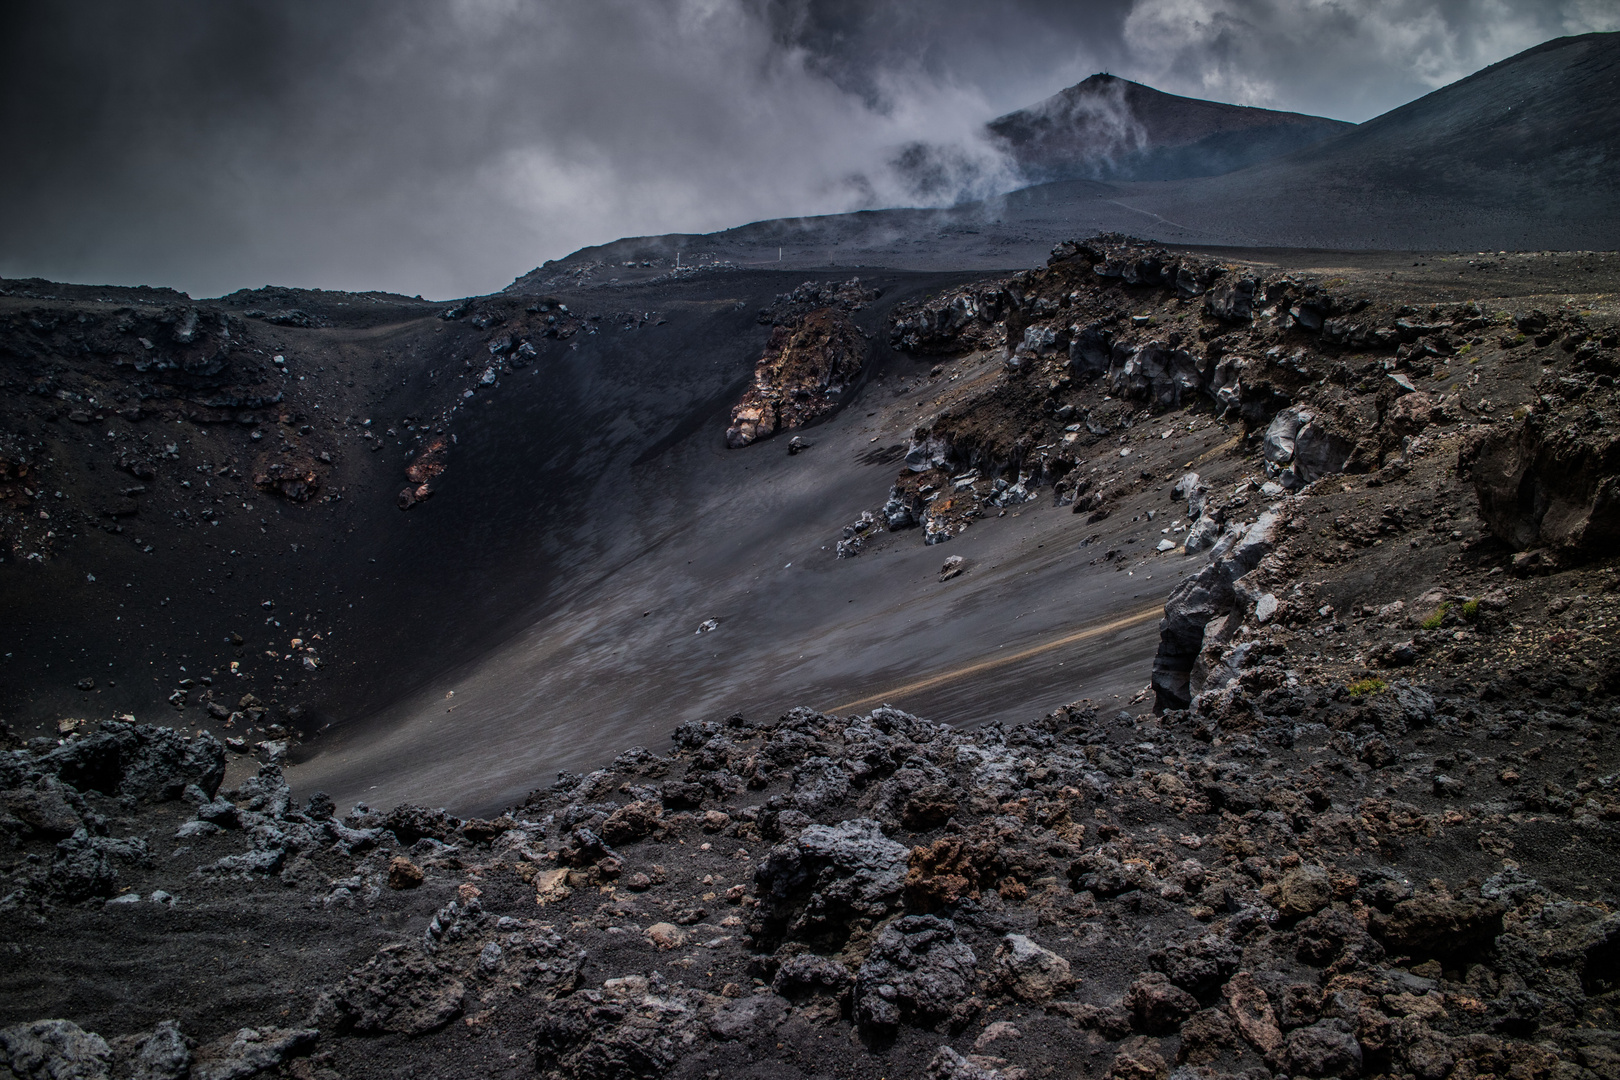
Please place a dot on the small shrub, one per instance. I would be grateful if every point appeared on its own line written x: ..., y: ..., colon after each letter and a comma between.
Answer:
x: 1362, y: 687
x: 1470, y: 610
x: 1433, y: 621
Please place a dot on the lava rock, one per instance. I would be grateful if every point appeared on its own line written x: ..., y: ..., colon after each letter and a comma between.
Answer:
x: 1030, y: 972
x: 403, y: 874
x: 1197, y: 600
x: 54, y: 1050
x: 1544, y: 481
x: 43, y: 807
x: 1158, y: 1005
x: 617, y: 1036
x: 84, y: 865
x: 1439, y: 926
x: 1325, y: 1048
x: 631, y: 822
x: 827, y: 876
x: 1335, y: 939
x: 808, y: 973
x: 163, y: 1054
x: 1198, y: 966
x: 251, y: 1051
x: 1206, y: 1035
x: 142, y: 761
x: 918, y: 971
x: 947, y: 1064
x: 1304, y: 890
x: 399, y: 990
x: 1251, y: 1009
x: 740, y: 1019
x: 411, y: 823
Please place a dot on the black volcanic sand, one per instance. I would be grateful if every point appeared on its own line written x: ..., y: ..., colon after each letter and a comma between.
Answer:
x: 698, y: 532
x: 581, y: 492
x: 663, y: 538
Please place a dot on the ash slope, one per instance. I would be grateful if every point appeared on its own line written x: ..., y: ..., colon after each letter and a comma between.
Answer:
x: 587, y: 520
x: 1519, y: 155
x: 1012, y: 425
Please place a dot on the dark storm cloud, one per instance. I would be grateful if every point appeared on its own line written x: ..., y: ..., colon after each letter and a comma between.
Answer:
x: 445, y: 147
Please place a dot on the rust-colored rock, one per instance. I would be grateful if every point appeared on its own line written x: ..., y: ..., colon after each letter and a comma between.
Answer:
x: 800, y: 378
x: 665, y: 935
x: 295, y: 479
x: 952, y: 867
x: 403, y: 874
x: 1440, y: 925
x: 1251, y: 1008
x: 1158, y: 1005
x: 428, y: 464
x: 1139, y: 1059
x: 631, y: 822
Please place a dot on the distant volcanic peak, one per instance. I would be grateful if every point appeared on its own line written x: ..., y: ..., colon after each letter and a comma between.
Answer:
x: 1079, y: 104
x: 1172, y: 117
x: 1106, y: 127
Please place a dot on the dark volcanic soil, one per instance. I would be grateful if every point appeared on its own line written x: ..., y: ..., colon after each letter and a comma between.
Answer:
x: 540, y: 610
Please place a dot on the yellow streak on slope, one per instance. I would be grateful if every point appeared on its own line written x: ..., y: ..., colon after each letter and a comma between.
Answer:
x: 941, y: 679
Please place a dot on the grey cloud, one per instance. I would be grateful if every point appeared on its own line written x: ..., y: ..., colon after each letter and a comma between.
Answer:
x: 1347, y: 59
x: 444, y: 147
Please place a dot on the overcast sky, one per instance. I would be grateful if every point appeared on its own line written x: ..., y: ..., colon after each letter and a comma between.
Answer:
x: 445, y: 147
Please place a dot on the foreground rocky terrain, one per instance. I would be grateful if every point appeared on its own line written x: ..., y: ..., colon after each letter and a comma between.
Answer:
x: 1360, y: 820
x: 1361, y: 882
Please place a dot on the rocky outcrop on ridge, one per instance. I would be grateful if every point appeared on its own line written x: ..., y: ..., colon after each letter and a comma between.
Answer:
x: 1549, y: 482
x: 1115, y: 331
x: 1318, y: 383
x: 814, y: 354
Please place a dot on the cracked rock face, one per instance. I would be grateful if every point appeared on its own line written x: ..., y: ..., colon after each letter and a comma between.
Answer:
x: 52, y: 1049
x: 1214, y: 592
x: 400, y: 991
x: 1029, y: 971
x: 1553, y: 480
